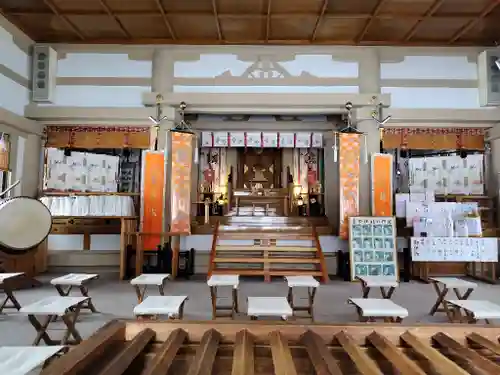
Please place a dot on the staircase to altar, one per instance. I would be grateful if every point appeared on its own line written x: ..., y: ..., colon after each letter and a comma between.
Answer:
x: 267, y: 246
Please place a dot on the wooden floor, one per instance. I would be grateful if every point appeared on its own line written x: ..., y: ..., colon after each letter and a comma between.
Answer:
x: 254, y: 348
x: 296, y: 224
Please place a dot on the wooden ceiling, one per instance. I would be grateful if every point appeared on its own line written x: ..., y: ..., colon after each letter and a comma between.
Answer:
x: 299, y: 22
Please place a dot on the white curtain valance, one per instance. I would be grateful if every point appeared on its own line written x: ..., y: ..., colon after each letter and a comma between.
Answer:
x: 262, y: 139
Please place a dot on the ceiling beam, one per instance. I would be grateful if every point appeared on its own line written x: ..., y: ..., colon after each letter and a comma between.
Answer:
x: 428, y: 14
x: 341, y: 15
x: 368, y: 23
x: 64, y: 19
x: 217, y: 20
x: 468, y: 26
x: 285, y: 42
x: 319, y: 20
x: 167, y: 23
x: 110, y: 13
x: 268, y: 19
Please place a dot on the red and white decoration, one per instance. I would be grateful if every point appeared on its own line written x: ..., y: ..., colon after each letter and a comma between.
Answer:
x: 262, y: 139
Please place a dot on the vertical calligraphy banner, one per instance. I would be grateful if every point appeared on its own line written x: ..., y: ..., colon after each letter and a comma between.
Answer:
x: 349, y: 157
x: 381, y: 178
x: 153, y: 191
x: 180, y: 179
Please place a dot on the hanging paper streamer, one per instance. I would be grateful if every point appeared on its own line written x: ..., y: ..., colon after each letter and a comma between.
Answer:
x: 153, y: 198
x: 180, y: 189
x: 381, y: 181
x: 349, y: 157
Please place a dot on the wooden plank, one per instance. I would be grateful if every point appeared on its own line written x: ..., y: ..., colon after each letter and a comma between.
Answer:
x: 320, y: 356
x: 122, y: 361
x: 441, y: 364
x: 475, y: 358
x: 282, y: 356
x: 363, y: 362
x: 243, y: 358
x: 165, y: 356
x: 484, y: 342
x: 205, y: 354
x: 390, y: 351
x: 88, y: 351
x: 268, y: 260
x: 268, y: 248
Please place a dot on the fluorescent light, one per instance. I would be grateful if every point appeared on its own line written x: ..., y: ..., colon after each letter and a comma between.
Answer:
x: 497, y: 62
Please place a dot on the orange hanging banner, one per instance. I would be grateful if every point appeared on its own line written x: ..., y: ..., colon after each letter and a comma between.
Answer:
x: 349, y: 157
x: 180, y: 179
x: 381, y: 181
x: 153, y: 192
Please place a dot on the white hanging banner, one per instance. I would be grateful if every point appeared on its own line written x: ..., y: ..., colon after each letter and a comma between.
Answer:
x: 317, y: 140
x: 287, y: 140
x: 221, y: 139
x: 303, y: 140
x: 270, y: 140
x: 253, y: 139
x: 207, y: 139
x: 237, y: 139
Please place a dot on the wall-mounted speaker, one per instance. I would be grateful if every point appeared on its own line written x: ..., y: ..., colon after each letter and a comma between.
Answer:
x: 489, y: 77
x: 44, y: 74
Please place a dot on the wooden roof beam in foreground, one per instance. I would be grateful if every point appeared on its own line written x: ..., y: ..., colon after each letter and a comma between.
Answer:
x: 161, y: 362
x: 205, y: 354
x: 244, y: 356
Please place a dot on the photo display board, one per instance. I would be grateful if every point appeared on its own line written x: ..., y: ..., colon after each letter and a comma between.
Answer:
x: 454, y: 249
x: 372, y: 245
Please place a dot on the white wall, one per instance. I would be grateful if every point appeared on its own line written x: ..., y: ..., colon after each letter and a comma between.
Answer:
x: 101, y: 80
x: 14, y: 74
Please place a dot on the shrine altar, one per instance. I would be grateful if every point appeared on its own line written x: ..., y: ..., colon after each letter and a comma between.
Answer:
x: 265, y: 199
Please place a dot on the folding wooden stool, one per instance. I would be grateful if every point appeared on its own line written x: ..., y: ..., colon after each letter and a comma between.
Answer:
x: 78, y: 280
x: 67, y: 308
x: 5, y: 283
x: 149, y: 279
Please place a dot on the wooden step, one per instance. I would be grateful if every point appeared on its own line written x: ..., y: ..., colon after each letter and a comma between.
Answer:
x: 265, y: 248
x: 262, y: 272
x: 268, y: 260
x: 264, y: 235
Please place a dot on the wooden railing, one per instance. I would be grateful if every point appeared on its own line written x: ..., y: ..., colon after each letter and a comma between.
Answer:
x: 213, y: 251
x: 321, y: 256
x: 133, y: 237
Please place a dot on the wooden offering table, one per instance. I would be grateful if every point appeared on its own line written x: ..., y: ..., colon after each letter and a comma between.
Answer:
x: 261, y: 198
x: 188, y: 347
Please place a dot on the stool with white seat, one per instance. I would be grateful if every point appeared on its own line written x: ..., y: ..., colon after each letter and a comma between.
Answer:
x: 216, y: 281
x: 308, y: 282
x: 474, y: 310
x: 149, y: 279
x: 370, y: 309
x: 77, y: 280
x: 152, y: 306
x: 448, y: 283
x: 269, y: 306
x: 5, y: 279
x: 382, y: 282
x: 22, y: 360
x: 67, y: 308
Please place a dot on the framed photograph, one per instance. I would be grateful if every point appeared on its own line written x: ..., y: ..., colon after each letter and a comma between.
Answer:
x: 372, y: 247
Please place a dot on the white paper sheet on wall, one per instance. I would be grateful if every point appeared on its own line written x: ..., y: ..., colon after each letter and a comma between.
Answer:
x: 414, y: 210
x: 454, y: 249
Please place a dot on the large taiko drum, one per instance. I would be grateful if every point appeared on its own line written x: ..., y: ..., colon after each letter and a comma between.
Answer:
x: 24, y: 223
